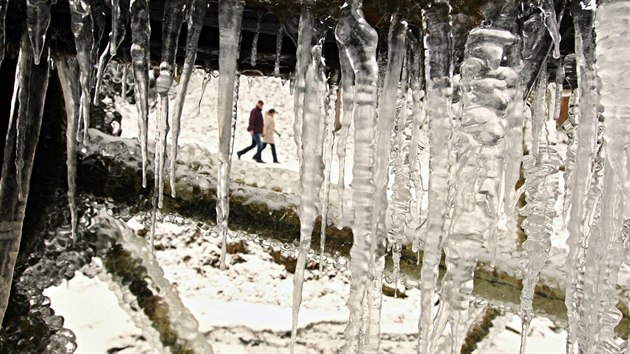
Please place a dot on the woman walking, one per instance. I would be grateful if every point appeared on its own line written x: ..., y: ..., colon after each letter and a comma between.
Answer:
x: 268, y: 133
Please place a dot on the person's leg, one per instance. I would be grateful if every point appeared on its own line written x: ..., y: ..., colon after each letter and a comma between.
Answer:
x: 245, y: 150
x: 273, y: 153
x: 258, y: 141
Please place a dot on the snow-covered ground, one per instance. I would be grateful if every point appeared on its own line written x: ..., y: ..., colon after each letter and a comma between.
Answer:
x: 247, y: 308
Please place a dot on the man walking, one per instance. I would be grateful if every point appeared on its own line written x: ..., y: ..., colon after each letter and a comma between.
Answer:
x: 255, y: 129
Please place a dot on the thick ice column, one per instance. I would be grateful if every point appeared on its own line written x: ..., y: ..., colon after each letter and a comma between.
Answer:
x: 303, y: 58
x: 487, y: 91
x: 140, y: 55
x: 541, y: 191
x: 31, y: 83
x: 83, y: 30
x: 37, y: 22
x: 174, y: 14
x: 68, y: 71
x: 438, y: 108
x: 359, y: 41
x: 230, y: 19
x: 196, y: 14
x: 311, y: 170
x: 254, y: 51
x: 604, y: 255
x: 4, y: 4
x: 579, y: 224
x: 347, y: 93
x: 613, y: 55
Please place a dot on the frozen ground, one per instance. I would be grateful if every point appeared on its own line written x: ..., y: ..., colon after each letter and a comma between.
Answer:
x: 247, y: 308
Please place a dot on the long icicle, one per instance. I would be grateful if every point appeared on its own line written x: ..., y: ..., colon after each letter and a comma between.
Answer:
x: 578, y: 226
x: 541, y: 190
x: 329, y: 144
x: 347, y: 93
x: 174, y: 14
x: 303, y: 58
x: 31, y: 83
x: 83, y: 29
x: 311, y: 172
x: 386, y: 119
x: 4, y: 5
x: 438, y: 102
x: 37, y: 22
x: 196, y: 14
x: 487, y: 91
x: 140, y: 55
x: 359, y: 40
x: 276, y: 66
x: 68, y: 71
x: 230, y: 19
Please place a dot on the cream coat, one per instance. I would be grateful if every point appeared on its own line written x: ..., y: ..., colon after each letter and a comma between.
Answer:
x: 269, y: 128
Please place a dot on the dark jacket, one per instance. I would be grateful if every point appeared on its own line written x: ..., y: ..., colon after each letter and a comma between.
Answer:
x: 256, y: 121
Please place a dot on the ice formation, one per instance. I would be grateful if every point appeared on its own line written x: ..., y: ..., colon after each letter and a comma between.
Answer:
x: 475, y: 102
x: 311, y: 170
x: 438, y: 103
x: 196, y: 14
x: 140, y: 58
x: 358, y: 40
x: 27, y: 109
x: 230, y: 19
x: 68, y: 71
x: 4, y: 5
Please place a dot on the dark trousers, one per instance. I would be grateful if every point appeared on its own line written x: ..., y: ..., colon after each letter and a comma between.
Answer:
x: 273, y: 151
x: 256, y: 143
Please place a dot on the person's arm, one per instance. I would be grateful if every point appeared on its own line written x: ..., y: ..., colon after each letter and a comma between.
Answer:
x: 252, y: 119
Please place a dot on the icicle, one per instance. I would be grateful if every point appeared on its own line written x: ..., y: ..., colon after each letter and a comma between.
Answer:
x: 578, y: 227
x: 487, y: 88
x: 386, y: 117
x: 68, y: 71
x: 4, y: 5
x: 123, y: 86
x: 230, y: 18
x: 438, y: 102
x: 329, y: 142
x: 311, y: 171
x: 416, y: 76
x: 613, y: 53
x: 174, y: 13
x: 27, y: 108
x: 604, y: 255
x: 100, y: 70
x: 347, y: 93
x: 541, y: 190
x: 207, y: 77
x: 82, y: 28
x: 120, y: 17
x: 558, y: 89
x: 358, y: 40
x: 548, y: 8
x: 140, y: 37
x: 196, y: 14
x: 254, y: 54
x: 303, y: 57
x: 276, y: 67
x: 401, y: 169
x: 570, y: 127
x: 37, y: 22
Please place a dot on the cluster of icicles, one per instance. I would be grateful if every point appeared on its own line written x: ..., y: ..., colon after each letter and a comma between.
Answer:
x: 475, y: 147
